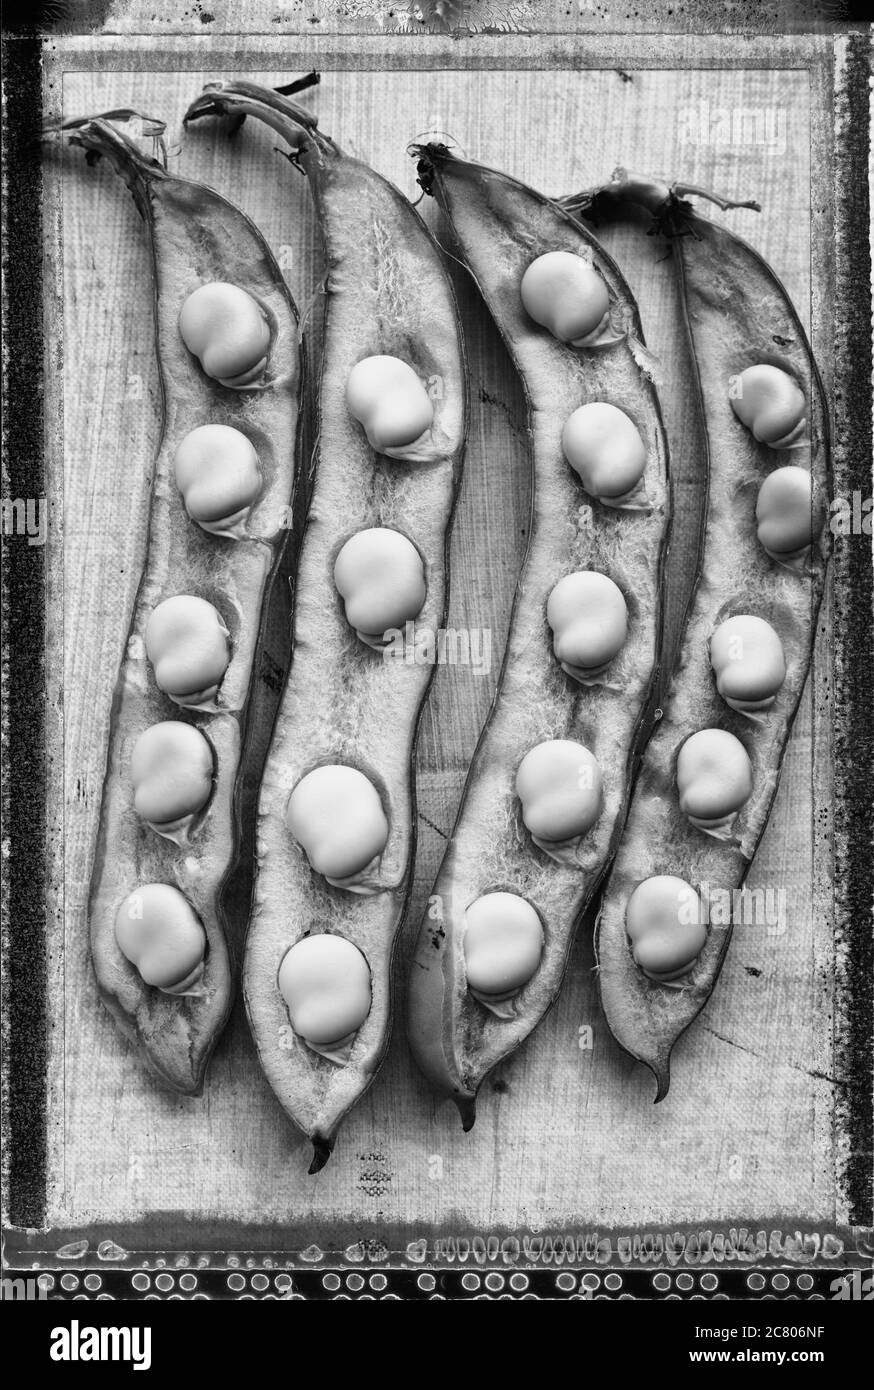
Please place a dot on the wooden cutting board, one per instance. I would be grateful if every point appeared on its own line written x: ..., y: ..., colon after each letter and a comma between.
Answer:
x: 567, y: 1139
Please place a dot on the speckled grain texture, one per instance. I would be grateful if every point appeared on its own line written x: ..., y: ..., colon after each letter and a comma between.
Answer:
x: 854, y: 636
x: 23, y: 610
x: 460, y: 18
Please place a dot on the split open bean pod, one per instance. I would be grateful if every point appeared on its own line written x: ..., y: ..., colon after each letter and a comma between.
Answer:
x: 546, y: 792
x: 336, y: 818
x: 223, y: 487
x: 709, y: 774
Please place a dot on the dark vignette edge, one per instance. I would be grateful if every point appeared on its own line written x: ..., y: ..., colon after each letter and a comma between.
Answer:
x: 23, y: 635
x: 853, y: 636
x: 23, y: 630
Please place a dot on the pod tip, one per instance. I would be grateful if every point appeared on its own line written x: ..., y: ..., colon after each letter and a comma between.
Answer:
x: 186, y: 1078
x: 662, y: 1074
x: 322, y: 1150
x: 300, y: 84
x: 467, y: 1110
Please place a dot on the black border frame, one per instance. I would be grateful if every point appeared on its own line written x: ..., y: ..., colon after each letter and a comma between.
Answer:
x: 24, y: 633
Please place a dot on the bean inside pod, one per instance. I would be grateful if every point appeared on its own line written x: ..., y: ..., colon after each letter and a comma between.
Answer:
x: 545, y: 794
x: 223, y: 484
x: 335, y: 833
x: 710, y: 771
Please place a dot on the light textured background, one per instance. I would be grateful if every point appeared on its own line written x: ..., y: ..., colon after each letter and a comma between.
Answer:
x: 567, y: 1138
